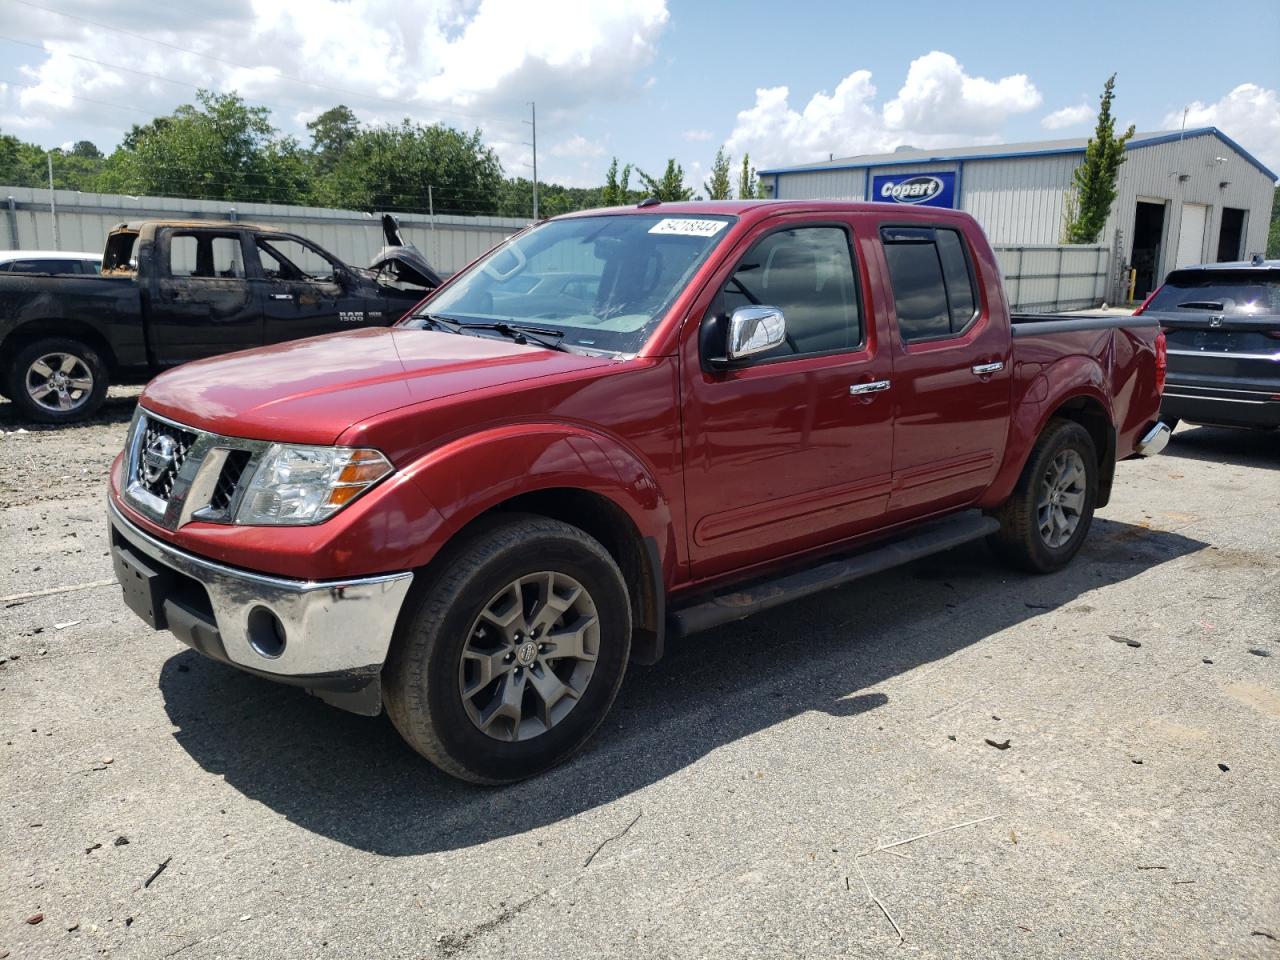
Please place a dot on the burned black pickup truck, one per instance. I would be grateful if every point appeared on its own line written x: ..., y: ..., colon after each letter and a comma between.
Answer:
x: 174, y: 291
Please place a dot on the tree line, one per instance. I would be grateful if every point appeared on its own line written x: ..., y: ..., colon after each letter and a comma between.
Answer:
x: 221, y: 148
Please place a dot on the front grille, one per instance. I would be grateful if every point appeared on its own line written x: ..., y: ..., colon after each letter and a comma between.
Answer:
x: 171, y: 471
x: 161, y: 453
x: 228, y: 480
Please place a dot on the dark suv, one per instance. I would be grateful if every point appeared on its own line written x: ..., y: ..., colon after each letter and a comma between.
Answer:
x: 1222, y: 326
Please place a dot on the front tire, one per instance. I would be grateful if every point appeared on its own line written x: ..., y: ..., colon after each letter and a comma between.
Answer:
x: 1044, y: 523
x: 512, y: 653
x: 57, y: 380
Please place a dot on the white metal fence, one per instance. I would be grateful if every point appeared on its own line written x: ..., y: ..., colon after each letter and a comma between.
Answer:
x: 1045, y: 279
x: 83, y: 220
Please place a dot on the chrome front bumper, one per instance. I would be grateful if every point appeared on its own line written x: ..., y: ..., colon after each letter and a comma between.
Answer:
x: 329, y: 636
x: 1154, y: 441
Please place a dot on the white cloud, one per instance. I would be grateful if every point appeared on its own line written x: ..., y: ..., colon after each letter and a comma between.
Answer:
x: 938, y: 105
x: 577, y: 146
x: 696, y: 136
x: 1067, y: 117
x: 471, y: 63
x: 1249, y: 114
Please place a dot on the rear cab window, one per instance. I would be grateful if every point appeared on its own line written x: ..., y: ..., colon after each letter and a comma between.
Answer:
x: 931, y: 274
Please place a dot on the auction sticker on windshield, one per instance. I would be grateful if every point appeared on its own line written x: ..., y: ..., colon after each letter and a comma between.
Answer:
x: 689, y: 228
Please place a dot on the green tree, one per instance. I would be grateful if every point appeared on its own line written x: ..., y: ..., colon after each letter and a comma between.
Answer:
x: 718, y: 186
x: 516, y: 198
x: 27, y: 165
x: 670, y: 186
x: 390, y: 168
x: 748, y: 186
x: 616, y: 190
x: 1095, y: 179
x: 217, y: 148
x: 331, y: 134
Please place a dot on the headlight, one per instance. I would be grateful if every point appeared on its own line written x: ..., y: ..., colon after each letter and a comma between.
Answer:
x: 299, y: 485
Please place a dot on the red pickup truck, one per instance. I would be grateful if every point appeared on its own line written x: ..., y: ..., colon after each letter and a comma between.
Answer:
x: 617, y: 428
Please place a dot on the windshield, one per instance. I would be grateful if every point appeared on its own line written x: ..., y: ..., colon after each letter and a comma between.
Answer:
x: 604, y: 282
x: 1247, y: 293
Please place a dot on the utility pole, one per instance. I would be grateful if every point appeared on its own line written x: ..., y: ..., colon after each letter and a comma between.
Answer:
x: 53, y: 203
x: 533, y: 123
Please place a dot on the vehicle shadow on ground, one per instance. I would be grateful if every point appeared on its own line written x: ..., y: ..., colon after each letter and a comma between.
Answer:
x: 353, y: 780
x: 117, y: 408
x: 1241, y: 448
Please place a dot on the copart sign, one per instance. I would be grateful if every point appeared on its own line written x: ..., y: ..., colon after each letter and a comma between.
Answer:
x: 922, y: 189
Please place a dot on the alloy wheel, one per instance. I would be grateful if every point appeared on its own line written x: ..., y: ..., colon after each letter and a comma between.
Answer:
x: 529, y: 656
x: 59, y: 382
x: 1061, y: 500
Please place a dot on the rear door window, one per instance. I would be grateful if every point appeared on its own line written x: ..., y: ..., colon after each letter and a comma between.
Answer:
x: 209, y: 256
x: 932, y: 279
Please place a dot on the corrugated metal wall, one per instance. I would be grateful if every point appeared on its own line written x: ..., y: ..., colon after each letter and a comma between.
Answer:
x: 85, y: 218
x: 1019, y: 200
x: 1154, y: 173
x: 1022, y: 200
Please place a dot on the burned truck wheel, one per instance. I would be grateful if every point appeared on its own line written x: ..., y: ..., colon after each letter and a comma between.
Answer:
x: 512, y: 652
x: 1045, y: 521
x: 56, y: 380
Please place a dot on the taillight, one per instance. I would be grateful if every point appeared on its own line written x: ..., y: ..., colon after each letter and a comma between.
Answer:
x: 1162, y: 362
x: 1143, y: 307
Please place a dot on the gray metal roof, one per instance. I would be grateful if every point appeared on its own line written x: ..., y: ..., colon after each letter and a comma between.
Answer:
x: 1000, y: 151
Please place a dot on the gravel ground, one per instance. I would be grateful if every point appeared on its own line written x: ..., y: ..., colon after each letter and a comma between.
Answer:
x: 725, y: 808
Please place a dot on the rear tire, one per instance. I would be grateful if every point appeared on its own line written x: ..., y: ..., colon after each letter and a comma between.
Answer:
x: 56, y: 380
x: 486, y: 679
x: 1045, y: 521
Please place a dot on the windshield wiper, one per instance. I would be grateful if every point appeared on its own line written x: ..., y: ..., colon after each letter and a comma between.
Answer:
x: 520, y: 333
x: 1201, y: 305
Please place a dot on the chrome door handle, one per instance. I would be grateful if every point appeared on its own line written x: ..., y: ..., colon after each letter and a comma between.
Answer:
x: 875, y: 386
x: 282, y: 296
x: 982, y: 369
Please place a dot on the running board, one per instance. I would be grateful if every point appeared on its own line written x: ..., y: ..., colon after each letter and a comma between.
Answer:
x: 744, y: 601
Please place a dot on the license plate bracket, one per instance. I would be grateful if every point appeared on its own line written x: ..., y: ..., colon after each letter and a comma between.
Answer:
x: 145, y: 585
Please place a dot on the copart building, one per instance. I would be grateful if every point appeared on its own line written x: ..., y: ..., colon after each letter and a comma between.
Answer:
x: 1183, y: 197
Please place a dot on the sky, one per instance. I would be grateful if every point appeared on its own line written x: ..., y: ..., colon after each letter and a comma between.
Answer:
x: 645, y: 80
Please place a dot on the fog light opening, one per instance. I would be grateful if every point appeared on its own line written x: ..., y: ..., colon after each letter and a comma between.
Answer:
x: 266, y: 633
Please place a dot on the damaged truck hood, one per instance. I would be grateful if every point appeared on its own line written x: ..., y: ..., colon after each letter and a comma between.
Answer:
x: 401, y: 259
x: 310, y: 391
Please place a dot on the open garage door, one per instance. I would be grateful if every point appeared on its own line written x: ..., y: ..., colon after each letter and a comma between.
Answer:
x: 1191, y: 235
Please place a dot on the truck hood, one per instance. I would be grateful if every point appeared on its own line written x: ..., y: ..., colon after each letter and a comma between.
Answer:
x: 310, y: 391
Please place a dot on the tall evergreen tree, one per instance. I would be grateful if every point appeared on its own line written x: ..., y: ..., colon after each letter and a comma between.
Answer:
x: 1095, y: 179
x: 718, y: 186
x: 748, y: 187
x: 616, y: 192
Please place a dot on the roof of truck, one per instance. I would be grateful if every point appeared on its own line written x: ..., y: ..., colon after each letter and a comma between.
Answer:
x: 737, y: 208
x: 136, y: 226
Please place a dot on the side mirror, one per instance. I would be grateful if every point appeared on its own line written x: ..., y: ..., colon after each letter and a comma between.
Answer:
x: 754, y: 330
